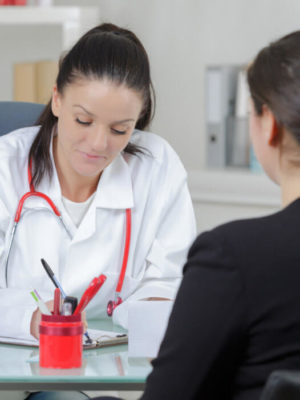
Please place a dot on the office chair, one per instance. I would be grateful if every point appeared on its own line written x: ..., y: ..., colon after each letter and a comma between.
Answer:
x: 17, y: 114
x: 282, y: 385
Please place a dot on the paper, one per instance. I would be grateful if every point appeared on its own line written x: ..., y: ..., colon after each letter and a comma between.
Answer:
x: 147, y: 323
x: 100, y: 338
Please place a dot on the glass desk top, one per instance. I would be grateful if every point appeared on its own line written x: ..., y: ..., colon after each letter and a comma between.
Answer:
x: 107, y: 368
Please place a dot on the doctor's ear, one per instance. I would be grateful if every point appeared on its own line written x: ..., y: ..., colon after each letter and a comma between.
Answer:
x: 55, y: 102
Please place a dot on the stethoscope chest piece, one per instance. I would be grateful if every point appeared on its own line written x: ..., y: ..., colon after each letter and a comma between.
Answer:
x: 112, y: 304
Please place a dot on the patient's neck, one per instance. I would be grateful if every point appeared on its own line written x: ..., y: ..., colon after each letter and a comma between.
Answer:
x: 290, y: 189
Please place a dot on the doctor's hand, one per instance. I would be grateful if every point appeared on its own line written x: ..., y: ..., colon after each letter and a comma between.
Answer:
x: 156, y: 299
x: 36, y: 319
x: 37, y: 315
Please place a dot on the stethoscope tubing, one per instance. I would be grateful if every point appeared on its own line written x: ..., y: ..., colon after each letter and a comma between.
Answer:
x: 117, y: 299
x: 126, y: 251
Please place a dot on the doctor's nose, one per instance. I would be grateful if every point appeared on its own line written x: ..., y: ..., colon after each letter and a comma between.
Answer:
x: 99, y: 139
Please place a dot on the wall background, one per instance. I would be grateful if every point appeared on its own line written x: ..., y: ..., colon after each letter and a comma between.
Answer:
x: 181, y: 37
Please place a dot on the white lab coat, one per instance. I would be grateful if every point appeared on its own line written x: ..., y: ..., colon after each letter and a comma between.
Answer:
x: 163, y: 227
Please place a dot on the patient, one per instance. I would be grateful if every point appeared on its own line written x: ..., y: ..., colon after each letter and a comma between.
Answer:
x: 237, y: 314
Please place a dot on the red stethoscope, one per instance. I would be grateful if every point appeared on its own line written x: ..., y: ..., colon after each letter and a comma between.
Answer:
x: 112, y: 304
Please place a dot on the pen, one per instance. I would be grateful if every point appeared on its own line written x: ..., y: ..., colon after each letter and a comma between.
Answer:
x: 41, y: 305
x: 88, y: 339
x: 90, y: 292
x: 53, y: 277
x: 87, y: 296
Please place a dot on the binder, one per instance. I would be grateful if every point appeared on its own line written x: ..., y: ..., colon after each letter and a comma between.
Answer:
x: 24, y: 82
x: 33, y: 81
x: 220, y: 94
x: 46, y: 73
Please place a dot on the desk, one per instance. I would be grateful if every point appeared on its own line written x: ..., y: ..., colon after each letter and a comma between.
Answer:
x: 103, y: 369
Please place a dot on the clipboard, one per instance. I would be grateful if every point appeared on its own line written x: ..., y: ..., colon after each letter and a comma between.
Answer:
x: 106, y: 340
x: 100, y: 339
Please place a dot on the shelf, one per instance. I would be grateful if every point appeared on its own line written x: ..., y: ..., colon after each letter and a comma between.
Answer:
x: 234, y: 187
x: 43, y: 15
x: 29, y: 34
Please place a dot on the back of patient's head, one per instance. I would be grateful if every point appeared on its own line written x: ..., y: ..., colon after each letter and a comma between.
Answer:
x: 274, y: 81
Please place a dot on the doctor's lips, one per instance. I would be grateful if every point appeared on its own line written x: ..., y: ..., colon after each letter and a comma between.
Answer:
x: 92, y: 156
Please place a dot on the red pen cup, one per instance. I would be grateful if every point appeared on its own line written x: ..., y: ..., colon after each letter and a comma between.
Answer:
x: 61, y: 341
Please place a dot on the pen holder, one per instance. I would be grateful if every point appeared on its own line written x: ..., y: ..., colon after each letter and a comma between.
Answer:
x: 61, y: 341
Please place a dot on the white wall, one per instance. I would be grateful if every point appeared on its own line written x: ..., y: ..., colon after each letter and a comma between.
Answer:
x: 182, y: 36
x: 169, y: 30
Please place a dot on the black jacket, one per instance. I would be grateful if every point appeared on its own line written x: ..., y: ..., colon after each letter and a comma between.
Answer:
x: 237, y: 314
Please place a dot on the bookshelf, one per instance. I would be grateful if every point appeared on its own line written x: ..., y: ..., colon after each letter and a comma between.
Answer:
x: 32, y: 33
x: 233, y: 185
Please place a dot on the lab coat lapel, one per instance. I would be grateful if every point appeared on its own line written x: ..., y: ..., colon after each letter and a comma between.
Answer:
x: 115, y: 186
x: 51, y: 188
x: 114, y: 191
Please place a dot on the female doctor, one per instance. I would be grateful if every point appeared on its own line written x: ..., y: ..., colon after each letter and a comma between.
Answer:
x: 118, y: 189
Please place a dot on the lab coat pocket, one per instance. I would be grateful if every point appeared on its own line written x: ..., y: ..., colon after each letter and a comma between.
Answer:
x: 111, y: 283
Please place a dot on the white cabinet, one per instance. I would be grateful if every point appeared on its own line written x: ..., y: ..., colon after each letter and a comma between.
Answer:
x: 222, y: 196
x: 34, y: 33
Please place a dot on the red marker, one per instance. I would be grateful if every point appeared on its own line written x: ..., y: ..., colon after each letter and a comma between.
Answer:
x: 90, y: 292
x: 57, y: 301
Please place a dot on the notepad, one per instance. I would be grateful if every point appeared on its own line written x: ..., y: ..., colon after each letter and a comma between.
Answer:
x: 147, y: 323
x: 100, y: 338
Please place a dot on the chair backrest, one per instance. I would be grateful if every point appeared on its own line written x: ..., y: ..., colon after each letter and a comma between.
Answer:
x: 282, y: 385
x: 17, y: 114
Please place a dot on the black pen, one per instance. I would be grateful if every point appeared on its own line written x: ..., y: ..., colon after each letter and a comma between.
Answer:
x: 53, y: 277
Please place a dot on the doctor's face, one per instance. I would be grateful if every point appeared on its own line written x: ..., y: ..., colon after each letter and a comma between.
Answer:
x: 96, y: 119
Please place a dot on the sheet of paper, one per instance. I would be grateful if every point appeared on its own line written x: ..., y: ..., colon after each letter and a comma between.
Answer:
x: 95, y: 335
x: 147, y: 323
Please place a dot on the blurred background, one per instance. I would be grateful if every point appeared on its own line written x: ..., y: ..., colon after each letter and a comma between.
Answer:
x: 186, y: 40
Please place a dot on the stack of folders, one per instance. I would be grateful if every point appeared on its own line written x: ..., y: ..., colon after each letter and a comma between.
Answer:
x: 33, y: 81
x: 227, y: 97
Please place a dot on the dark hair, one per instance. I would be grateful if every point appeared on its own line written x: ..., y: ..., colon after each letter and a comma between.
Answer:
x: 105, y: 52
x: 274, y: 80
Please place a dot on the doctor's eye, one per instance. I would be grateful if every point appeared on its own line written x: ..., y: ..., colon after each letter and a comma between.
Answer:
x: 118, y: 132
x: 86, y: 123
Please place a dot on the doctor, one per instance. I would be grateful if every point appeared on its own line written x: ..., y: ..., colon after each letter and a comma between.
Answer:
x: 118, y: 189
